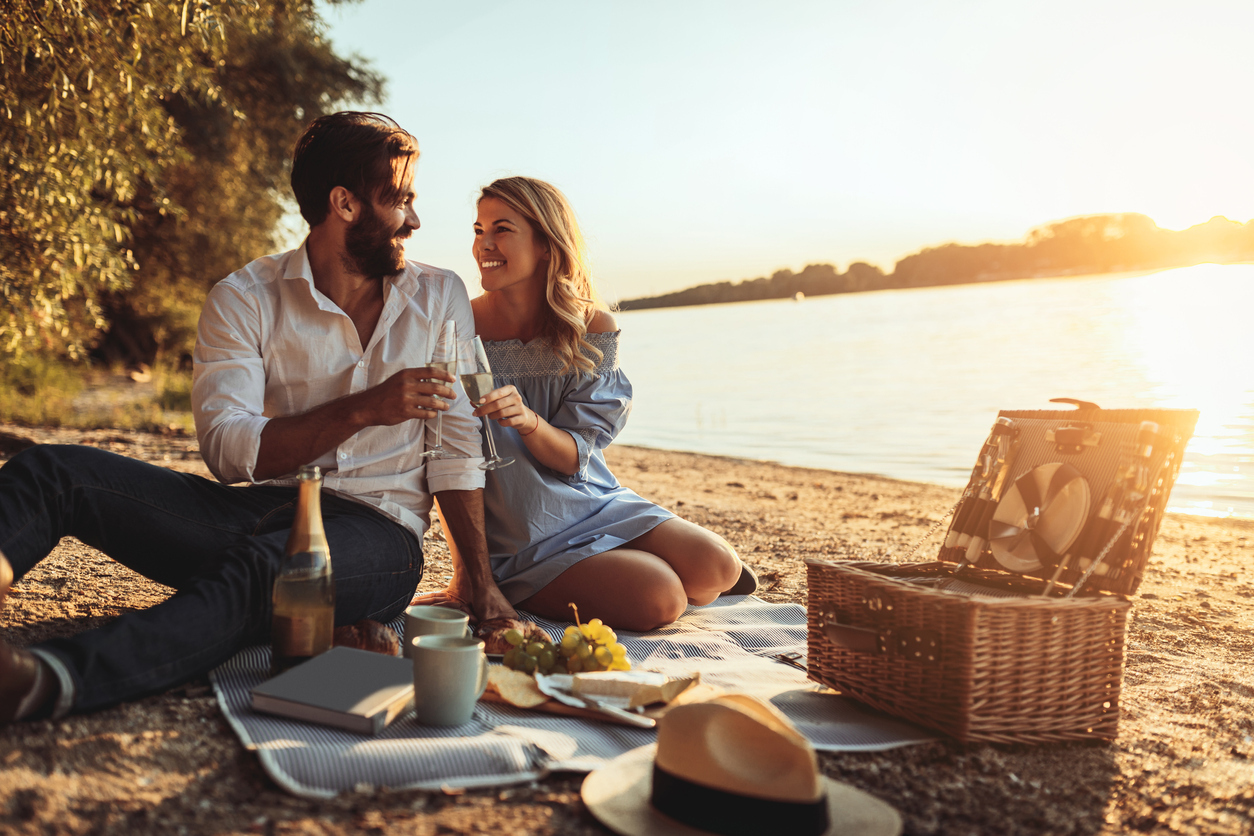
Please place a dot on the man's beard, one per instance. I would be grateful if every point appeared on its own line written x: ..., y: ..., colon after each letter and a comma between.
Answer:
x: 370, y: 248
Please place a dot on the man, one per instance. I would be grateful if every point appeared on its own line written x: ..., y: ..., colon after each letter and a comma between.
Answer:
x: 313, y: 356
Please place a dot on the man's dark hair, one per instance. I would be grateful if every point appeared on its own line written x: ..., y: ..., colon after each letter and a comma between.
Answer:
x: 366, y: 153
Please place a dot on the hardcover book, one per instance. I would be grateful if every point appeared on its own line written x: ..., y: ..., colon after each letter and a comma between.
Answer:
x: 352, y: 689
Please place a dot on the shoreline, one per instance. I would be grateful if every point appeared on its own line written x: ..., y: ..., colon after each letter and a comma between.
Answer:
x: 1065, y: 274
x: 1183, y: 761
x: 1171, y: 510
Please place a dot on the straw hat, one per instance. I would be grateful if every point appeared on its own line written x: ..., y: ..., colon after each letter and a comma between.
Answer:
x: 733, y: 765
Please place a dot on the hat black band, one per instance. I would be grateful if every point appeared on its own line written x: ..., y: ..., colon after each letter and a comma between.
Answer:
x: 730, y: 814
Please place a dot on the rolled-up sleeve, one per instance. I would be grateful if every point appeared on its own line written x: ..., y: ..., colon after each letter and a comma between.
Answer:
x: 594, y: 411
x: 229, y: 383
x: 461, y: 438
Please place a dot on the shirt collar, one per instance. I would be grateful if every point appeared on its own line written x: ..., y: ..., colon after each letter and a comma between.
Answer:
x: 298, y: 268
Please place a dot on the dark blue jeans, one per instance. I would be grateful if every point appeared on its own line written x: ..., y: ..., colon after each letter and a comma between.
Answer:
x: 218, y: 546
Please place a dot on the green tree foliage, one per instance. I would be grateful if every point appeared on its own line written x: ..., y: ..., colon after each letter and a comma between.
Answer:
x: 145, y: 148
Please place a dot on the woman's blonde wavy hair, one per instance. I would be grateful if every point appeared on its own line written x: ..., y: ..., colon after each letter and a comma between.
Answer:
x: 572, y: 299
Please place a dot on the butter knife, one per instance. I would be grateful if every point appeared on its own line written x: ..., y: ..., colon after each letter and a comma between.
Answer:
x: 629, y: 717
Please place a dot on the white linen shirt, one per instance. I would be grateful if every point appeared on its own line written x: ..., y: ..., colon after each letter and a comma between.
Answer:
x: 270, y: 345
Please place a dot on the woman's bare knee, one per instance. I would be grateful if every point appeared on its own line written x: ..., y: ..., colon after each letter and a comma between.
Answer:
x: 724, y: 562
x: 719, y: 570
x: 627, y: 589
x: 658, y: 599
x: 652, y: 611
x: 705, y: 561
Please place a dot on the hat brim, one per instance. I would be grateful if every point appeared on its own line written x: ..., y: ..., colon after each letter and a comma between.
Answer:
x: 618, y: 795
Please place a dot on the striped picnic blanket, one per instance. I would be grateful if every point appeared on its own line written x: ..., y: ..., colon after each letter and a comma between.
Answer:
x: 732, y: 643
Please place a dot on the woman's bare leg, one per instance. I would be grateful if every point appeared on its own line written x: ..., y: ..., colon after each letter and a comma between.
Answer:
x: 706, y: 564
x: 626, y: 588
x: 645, y: 584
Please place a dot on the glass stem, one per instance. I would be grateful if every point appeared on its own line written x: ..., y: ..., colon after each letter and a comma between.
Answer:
x: 487, y: 430
x: 439, y: 425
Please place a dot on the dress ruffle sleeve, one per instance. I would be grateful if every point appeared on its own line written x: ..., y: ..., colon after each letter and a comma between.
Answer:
x: 594, y: 411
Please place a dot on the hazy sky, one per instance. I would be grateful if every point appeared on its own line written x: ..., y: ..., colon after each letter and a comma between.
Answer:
x: 703, y: 141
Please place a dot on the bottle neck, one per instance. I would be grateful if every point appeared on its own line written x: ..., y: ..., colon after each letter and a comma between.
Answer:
x: 307, y: 533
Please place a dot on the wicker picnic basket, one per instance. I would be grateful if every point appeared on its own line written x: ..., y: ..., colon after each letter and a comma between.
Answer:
x: 983, y: 653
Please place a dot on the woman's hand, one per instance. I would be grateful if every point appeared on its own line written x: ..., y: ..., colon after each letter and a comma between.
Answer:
x: 552, y: 447
x: 505, y: 406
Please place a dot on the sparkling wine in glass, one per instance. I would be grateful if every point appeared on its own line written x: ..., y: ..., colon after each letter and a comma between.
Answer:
x: 477, y: 381
x: 444, y: 359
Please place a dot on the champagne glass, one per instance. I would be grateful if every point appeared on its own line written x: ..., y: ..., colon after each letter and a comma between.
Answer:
x: 477, y: 381
x: 444, y: 359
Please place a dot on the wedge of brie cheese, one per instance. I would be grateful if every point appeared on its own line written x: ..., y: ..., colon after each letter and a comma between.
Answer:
x: 629, y: 689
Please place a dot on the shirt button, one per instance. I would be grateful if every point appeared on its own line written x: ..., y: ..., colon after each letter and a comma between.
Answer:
x: 361, y: 364
x: 343, y: 456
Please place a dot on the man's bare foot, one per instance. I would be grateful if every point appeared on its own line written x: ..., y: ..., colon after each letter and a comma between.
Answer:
x: 486, y: 602
x: 23, y: 689
x: 491, y: 604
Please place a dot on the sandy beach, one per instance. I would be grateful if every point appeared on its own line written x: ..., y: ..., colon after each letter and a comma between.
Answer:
x: 1183, y: 762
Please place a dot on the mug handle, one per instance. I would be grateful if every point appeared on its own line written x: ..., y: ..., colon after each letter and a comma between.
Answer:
x: 483, y: 676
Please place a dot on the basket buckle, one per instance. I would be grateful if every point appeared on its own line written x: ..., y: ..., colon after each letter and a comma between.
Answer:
x: 1073, y: 438
x: 922, y: 646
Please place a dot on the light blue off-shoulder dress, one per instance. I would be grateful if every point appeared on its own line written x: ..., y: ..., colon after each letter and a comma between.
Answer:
x: 541, y: 522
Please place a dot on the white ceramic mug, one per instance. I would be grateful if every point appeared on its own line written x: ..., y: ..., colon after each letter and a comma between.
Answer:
x: 450, y: 674
x: 432, y: 621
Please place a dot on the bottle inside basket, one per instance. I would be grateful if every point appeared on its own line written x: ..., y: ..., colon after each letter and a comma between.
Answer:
x: 304, y: 591
x: 1138, y: 475
x: 1123, y: 500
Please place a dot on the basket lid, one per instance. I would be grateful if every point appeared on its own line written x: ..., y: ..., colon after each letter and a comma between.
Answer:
x: 1081, y: 497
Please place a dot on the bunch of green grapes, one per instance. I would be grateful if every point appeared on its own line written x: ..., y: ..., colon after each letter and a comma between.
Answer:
x: 584, y: 647
x: 536, y: 654
x: 593, y: 647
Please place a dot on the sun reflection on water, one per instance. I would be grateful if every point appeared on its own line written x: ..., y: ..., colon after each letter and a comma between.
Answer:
x: 1189, y: 329
x: 1195, y: 346
x: 906, y: 382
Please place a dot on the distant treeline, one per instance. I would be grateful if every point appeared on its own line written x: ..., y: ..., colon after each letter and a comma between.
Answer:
x: 1078, y: 246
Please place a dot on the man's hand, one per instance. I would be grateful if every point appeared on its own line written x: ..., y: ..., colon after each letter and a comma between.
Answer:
x: 408, y: 394
x: 287, y: 443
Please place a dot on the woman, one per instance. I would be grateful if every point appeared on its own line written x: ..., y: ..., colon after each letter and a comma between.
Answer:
x: 560, y: 528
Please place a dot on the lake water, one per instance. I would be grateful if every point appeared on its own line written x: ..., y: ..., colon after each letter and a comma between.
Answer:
x: 906, y: 383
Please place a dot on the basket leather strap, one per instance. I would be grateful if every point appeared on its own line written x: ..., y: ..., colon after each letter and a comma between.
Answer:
x: 922, y: 646
x: 858, y: 639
